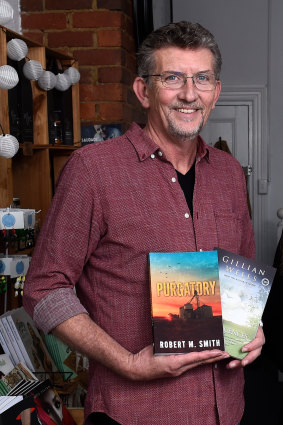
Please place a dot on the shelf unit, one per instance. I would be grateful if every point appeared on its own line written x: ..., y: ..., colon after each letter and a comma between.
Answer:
x: 31, y: 174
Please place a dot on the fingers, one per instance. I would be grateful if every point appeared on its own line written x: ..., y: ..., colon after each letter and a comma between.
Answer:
x: 178, y: 364
x: 147, y: 366
x: 258, y: 342
x: 253, y: 349
x: 204, y: 357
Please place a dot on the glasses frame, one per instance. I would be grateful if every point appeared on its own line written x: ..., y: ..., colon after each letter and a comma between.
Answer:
x: 185, y: 78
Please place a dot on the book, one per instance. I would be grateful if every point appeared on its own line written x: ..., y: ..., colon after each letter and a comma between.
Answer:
x: 40, y: 405
x: 17, y: 378
x: 185, y: 302
x: 6, y: 402
x: 13, y: 340
x: 8, y: 343
x: 17, y: 406
x: 24, y: 354
x: 245, y: 286
x: 5, y: 364
x: 41, y: 363
x: 62, y: 356
x: 4, y: 347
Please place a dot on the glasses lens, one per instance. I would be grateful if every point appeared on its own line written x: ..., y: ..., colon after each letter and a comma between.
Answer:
x: 173, y: 80
x: 204, y: 81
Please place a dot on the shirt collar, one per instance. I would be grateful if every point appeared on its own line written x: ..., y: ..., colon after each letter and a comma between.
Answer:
x: 142, y: 143
x: 145, y: 146
x: 202, y: 150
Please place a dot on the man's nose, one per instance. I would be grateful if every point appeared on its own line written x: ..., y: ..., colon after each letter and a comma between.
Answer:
x: 189, y: 91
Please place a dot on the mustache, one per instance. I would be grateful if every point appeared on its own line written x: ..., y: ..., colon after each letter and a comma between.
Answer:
x: 192, y: 105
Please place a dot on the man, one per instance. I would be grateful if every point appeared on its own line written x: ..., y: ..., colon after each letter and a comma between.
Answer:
x: 120, y: 199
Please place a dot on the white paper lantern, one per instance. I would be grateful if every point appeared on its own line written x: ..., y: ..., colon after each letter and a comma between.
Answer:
x: 32, y: 70
x: 47, y: 80
x: 73, y: 74
x: 62, y: 82
x: 8, y: 77
x: 6, y: 12
x: 9, y: 145
x: 17, y: 49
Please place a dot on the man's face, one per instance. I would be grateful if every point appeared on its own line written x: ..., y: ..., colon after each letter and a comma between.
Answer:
x: 180, y: 113
x: 52, y: 405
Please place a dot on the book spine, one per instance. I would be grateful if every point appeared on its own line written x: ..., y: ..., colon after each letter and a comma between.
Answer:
x: 4, y: 345
x: 20, y: 343
x: 12, y: 339
x: 12, y: 352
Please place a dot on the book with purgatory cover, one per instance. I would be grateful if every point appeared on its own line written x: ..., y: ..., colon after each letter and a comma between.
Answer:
x: 245, y: 286
x: 185, y: 301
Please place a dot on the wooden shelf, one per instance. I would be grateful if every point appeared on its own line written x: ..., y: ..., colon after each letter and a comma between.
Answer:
x: 29, y: 147
x: 31, y: 174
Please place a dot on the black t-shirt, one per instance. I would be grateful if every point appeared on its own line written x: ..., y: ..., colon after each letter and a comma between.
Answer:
x: 187, y: 183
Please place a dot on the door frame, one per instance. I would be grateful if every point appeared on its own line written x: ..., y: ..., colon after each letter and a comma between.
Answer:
x: 255, y: 98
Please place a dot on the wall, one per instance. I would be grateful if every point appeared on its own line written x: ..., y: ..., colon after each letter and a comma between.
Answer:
x: 250, y: 38
x: 99, y: 34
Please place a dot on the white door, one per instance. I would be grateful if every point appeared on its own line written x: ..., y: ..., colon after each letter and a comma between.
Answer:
x: 230, y: 124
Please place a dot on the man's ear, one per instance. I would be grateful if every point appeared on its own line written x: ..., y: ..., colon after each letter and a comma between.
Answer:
x: 141, y: 90
x: 217, y: 93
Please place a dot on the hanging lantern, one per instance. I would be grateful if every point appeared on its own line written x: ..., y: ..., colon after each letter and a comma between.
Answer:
x: 32, y: 70
x: 47, y: 80
x: 62, y: 82
x: 17, y: 49
x: 73, y: 74
x: 8, y: 77
x: 9, y: 145
x: 6, y: 12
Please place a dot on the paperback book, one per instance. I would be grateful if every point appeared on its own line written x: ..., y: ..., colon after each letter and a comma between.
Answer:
x: 186, y: 302
x: 245, y: 286
x: 38, y: 404
x: 27, y: 343
x: 27, y: 400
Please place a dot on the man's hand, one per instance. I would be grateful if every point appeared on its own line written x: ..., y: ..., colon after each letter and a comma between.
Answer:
x: 145, y: 366
x: 253, y: 348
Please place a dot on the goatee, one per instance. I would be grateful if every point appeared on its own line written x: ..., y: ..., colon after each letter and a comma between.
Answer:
x: 180, y: 132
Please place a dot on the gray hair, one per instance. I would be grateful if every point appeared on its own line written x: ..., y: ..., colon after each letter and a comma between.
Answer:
x: 181, y: 34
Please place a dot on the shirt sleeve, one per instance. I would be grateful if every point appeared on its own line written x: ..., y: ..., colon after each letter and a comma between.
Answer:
x: 70, y: 232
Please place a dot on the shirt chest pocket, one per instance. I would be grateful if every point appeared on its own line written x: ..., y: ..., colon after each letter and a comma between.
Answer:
x: 228, y: 230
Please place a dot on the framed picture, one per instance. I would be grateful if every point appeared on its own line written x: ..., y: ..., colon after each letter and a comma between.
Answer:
x: 99, y: 132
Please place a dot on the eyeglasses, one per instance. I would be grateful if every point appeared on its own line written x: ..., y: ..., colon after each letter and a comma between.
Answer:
x: 205, y: 81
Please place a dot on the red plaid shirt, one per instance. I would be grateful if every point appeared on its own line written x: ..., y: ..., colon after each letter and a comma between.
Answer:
x: 115, y: 202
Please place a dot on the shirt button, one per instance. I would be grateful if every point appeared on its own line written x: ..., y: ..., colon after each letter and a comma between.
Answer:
x: 173, y: 179
x: 187, y: 215
x: 152, y: 156
x: 160, y: 153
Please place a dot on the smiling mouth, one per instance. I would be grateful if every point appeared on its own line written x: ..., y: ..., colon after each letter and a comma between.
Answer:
x: 187, y: 111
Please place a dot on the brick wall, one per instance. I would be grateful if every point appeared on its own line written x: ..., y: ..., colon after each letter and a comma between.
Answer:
x: 100, y: 35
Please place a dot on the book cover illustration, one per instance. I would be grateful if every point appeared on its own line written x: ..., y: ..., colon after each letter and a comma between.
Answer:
x: 62, y: 355
x: 245, y: 286
x: 41, y: 405
x: 35, y: 347
x: 6, y: 364
x: 185, y: 300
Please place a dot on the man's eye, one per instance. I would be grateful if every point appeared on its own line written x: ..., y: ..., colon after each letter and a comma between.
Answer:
x: 203, y: 78
x: 171, y: 78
